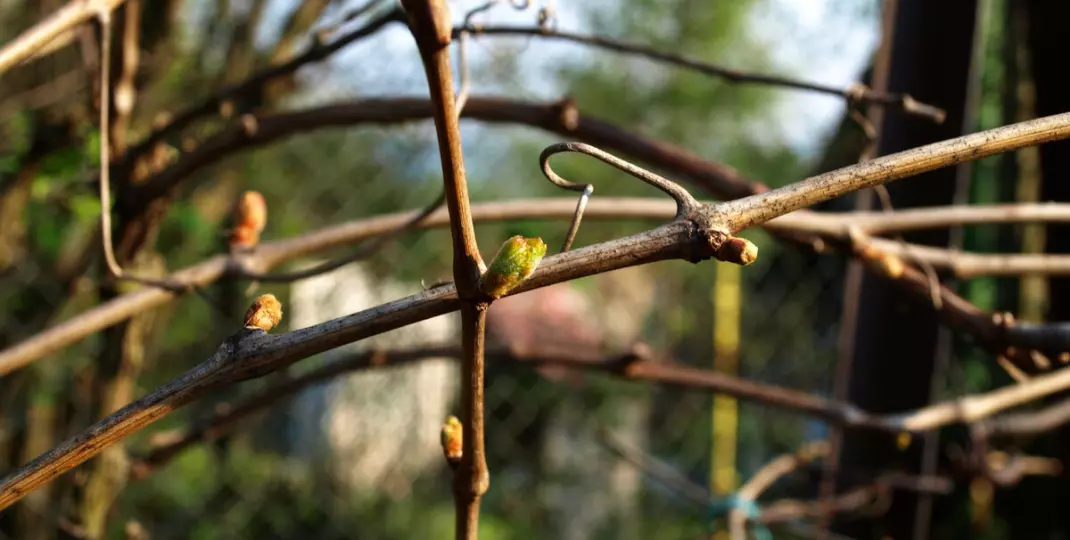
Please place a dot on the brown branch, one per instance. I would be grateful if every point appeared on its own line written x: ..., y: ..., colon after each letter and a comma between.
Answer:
x: 64, y: 19
x: 1026, y: 424
x: 254, y: 265
x: 695, y: 238
x: 246, y: 357
x: 750, y: 211
x: 429, y: 21
x: 361, y: 253
x: 784, y: 510
x: 856, y: 93
x: 766, y: 477
x: 837, y: 224
x: 227, y: 415
x: 656, y: 469
x: 263, y: 354
x: 125, y: 88
x: 300, y: 20
x: 855, y: 499
x: 250, y: 87
x: 45, y: 94
x: 271, y: 254
x: 561, y: 118
x: 966, y: 265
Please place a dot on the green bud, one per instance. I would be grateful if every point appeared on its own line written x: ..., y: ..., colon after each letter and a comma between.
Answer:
x: 516, y: 260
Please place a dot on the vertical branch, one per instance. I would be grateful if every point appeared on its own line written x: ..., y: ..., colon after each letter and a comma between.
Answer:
x: 430, y: 24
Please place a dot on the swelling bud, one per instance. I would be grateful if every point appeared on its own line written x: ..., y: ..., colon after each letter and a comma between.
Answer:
x: 516, y: 260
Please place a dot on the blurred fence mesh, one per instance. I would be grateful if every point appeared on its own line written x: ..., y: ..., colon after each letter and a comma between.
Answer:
x: 359, y: 457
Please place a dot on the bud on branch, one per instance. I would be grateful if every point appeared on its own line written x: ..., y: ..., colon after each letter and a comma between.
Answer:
x: 265, y: 313
x: 516, y: 260
x: 250, y: 217
x: 452, y: 441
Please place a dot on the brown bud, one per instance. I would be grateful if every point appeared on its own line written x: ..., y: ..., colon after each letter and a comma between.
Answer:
x: 249, y: 125
x: 265, y: 313
x: 250, y: 217
x: 568, y: 115
x: 737, y: 250
x: 452, y: 441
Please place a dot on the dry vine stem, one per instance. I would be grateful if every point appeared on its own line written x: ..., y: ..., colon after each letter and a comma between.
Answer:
x: 430, y: 24
x: 856, y: 93
x: 320, y: 50
x: 41, y: 36
x: 694, y: 238
x: 254, y: 265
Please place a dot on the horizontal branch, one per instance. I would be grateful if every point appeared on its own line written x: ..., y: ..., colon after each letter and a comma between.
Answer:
x: 272, y: 254
x: 750, y: 211
x: 966, y: 265
x: 249, y: 355
x: 39, y: 36
x: 561, y: 117
x: 854, y: 499
x: 252, y: 86
x: 244, y: 356
x: 900, y: 220
x: 227, y: 416
x: 858, y: 93
x: 1024, y: 424
x: 695, y: 238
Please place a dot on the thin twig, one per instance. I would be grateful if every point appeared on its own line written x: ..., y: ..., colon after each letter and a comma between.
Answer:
x: 255, y: 83
x: 744, y: 213
x: 116, y: 271
x: 323, y: 33
x: 362, y: 252
x: 1046, y: 337
x: 857, y: 93
x: 656, y: 469
x: 1026, y: 424
x: 966, y: 265
x: 257, y: 356
x: 915, y: 219
x: 105, y: 144
x: 766, y: 477
x: 854, y: 499
x: 38, y: 37
x: 45, y: 94
x: 955, y: 310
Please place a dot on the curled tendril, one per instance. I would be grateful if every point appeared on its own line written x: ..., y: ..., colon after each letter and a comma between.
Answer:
x: 685, y: 203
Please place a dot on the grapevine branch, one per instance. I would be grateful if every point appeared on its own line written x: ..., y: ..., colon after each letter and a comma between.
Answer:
x: 320, y: 50
x: 429, y: 22
x: 694, y: 238
x: 256, y: 264
x: 39, y: 37
x: 856, y: 93
x: 561, y: 118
